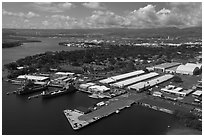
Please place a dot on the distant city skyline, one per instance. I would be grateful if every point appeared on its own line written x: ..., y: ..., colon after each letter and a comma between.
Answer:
x: 71, y: 15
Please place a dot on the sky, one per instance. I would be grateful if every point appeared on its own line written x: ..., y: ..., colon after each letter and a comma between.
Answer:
x: 72, y: 15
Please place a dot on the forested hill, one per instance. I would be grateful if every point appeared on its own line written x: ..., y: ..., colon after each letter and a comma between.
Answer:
x: 119, y: 32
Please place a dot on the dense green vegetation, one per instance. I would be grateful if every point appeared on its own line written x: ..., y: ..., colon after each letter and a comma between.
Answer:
x: 177, y: 79
x: 188, y: 119
x: 9, y: 39
x: 113, y: 32
x: 113, y: 57
x: 10, y: 44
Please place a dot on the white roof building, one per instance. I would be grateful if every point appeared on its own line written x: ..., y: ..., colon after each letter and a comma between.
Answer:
x: 157, y: 94
x: 135, y: 79
x: 174, y: 90
x: 151, y: 82
x: 194, y: 65
x: 98, y: 88
x: 86, y: 85
x: 197, y: 93
x: 64, y: 73
x: 165, y: 66
x: 122, y: 76
x: 34, y: 78
x: 188, y: 69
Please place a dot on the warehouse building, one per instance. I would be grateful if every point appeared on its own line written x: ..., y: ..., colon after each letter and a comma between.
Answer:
x: 122, y: 76
x: 134, y: 80
x: 194, y: 65
x: 162, y: 67
x: 170, y: 89
x: 171, y: 70
x: 33, y: 78
x: 188, y: 69
x: 64, y: 73
x: 86, y: 85
x: 97, y: 88
x: 153, y: 82
x: 197, y: 93
x: 157, y: 94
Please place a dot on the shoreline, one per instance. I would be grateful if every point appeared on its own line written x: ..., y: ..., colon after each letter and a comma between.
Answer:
x: 5, y: 73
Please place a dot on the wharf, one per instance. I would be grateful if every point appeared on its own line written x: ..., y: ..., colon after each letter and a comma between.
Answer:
x: 114, y: 105
x: 72, y: 117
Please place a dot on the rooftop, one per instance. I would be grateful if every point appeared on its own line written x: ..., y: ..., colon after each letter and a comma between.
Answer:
x: 167, y: 65
x: 32, y: 77
x: 197, y: 93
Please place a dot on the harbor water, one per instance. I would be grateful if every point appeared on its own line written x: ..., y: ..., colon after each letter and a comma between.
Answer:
x: 45, y: 116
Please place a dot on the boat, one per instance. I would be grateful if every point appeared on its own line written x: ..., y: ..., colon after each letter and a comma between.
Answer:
x: 30, y: 87
x: 68, y: 89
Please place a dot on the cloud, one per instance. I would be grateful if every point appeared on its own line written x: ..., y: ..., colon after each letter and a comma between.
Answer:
x: 93, y: 5
x: 52, y: 6
x: 21, y: 14
x: 177, y: 15
x: 189, y: 13
x: 61, y: 17
x: 45, y: 23
x: 59, y: 22
x: 104, y: 19
x: 26, y: 21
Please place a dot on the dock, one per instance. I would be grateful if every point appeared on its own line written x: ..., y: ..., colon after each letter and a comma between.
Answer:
x: 78, y: 120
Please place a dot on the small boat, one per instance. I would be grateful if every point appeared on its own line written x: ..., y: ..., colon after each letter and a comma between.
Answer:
x: 117, y: 111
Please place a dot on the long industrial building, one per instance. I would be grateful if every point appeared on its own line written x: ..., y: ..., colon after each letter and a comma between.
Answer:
x: 162, y: 67
x: 135, y: 80
x: 151, y: 82
x: 188, y: 69
x: 122, y: 76
x: 33, y: 78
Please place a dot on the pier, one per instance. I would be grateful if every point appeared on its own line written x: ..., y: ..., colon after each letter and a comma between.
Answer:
x: 78, y: 120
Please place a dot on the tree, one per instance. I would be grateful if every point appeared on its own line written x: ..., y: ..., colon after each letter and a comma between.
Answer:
x: 177, y: 79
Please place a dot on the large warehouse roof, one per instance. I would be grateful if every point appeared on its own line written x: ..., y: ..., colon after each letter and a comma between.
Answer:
x: 64, y: 73
x: 32, y: 77
x: 122, y: 76
x: 151, y: 82
x: 194, y: 65
x: 167, y: 65
x: 135, y: 79
x: 186, y: 69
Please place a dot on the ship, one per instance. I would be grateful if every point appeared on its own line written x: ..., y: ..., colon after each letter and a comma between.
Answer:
x: 67, y: 89
x: 30, y: 87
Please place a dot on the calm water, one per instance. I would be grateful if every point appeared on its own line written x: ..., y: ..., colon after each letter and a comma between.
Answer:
x: 38, y: 116
x: 28, y: 49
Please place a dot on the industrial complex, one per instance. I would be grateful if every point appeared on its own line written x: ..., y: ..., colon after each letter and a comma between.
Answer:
x: 143, y: 87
